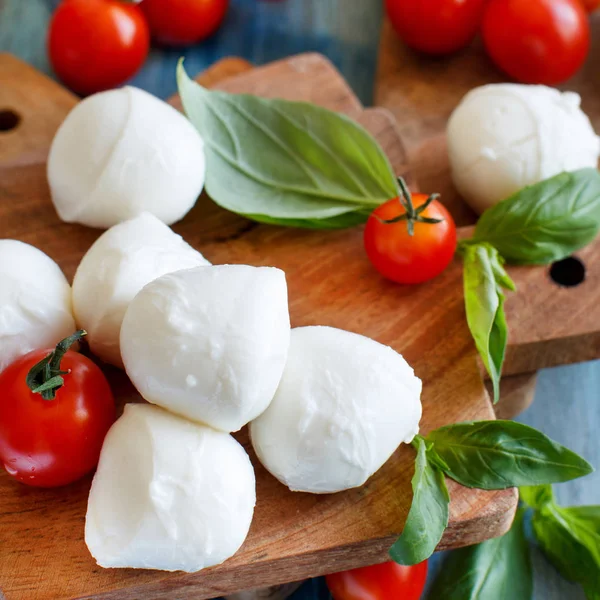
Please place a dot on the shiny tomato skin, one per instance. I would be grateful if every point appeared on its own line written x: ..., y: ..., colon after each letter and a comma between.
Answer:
x: 49, y: 443
x: 388, y: 581
x: 436, y: 26
x: 537, y: 41
x: 96, y: 45
x: 590, y: 5
x: 184, y: 22
x: 410, y: 259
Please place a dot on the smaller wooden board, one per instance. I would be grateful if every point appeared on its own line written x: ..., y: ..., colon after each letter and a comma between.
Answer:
x: 549, y: 324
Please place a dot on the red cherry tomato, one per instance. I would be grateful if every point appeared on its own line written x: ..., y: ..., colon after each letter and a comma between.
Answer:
x: 537, y: 41
x: 52, y: 442
x: 436, y: 26
x: 95, y: 45
x: 590, y: 5
x: 184, y: 22
x: 379, y: 582
x: 406, y: 258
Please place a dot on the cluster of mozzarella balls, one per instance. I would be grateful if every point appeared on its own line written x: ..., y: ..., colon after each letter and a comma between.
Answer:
x: 209, y: 347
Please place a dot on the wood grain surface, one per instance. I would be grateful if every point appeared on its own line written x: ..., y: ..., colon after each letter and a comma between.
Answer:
x: 42, y: 553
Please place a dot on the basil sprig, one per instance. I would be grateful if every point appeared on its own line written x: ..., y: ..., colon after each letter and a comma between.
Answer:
x: 287, y: 163
x: 428, y: 516
x: 540, y: 224
x: 484, y: 281
x: 483, y: 454
x: 569, y: 537
x: 499, y: 568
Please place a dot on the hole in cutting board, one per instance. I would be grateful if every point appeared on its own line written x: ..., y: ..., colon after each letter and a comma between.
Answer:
x: 568, y: 272
x: 9, y: 119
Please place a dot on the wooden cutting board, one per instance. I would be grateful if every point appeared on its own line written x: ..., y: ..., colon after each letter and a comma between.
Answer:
x: 293, y: 536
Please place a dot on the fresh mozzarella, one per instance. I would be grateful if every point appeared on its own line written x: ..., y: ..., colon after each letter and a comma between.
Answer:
x: 209, y: 343
x: 168, y: 494
x: 119, y: 264
x: 344, y: 404
x: 35, y: 301
x: 504, y: 137
x: 122, y: 152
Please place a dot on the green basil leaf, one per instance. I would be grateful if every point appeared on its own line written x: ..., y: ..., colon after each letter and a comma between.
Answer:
x: 536, y: 496
x: 544, y: 222
x: 571, y: 541
x: 584, y: 523
x: 499, y: 568
x: 290, y: 163
x: 484, y: 278
x: 493, y: 455
x: 428, y: 515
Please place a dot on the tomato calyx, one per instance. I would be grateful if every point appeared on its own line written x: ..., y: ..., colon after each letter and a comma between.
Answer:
x: 45, y: 377
x: 411, y: 215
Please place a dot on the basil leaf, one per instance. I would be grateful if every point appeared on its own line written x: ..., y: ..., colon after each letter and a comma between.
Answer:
x: 544, y: 222
x: 428, y: 515
x: 290, y: 163
x: 484, y: 278
x: 493, y: 455
x: 498, y: 568
x: 536, y: 496
x: 570, y: 538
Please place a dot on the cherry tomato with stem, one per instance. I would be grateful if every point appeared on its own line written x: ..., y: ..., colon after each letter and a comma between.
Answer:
x: 95, y: 45
x: 436, y: 26
x: 537, y: 41
x: 56, y: 407
x: 379, y: 582
x: 184, y: 22
x: 410, y: 239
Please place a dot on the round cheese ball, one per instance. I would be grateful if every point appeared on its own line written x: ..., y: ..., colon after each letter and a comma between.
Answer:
x: 122, y: 152
x: 344, y: 404
x: 209, y: 343
x: 117, y: 266
x: 35, y: 301
x: 168, y: 494
x: 504, y: 137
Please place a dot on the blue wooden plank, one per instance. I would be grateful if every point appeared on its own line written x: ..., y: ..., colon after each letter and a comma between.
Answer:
x: 567, y: 406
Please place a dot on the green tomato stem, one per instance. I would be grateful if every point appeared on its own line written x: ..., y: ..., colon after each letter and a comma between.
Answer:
x: 45, y: 377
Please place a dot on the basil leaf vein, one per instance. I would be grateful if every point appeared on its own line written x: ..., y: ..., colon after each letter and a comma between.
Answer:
x: 500, y: 454
x: 497, y: 568
x: 289, y: 163
x: 484, y: 279
x: 544, y: 222
x: 428, y: 515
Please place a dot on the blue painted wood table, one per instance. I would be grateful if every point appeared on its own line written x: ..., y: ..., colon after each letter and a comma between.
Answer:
x: 567, y: 405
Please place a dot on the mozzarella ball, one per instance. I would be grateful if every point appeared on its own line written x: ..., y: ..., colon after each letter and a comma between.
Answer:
x: 344, y: 404
x: 117, y: 266
x: 122, y: 152
x: 168, y: 494
x: 504, y: 137
x: 35, y: 301
x: 209, y: 343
